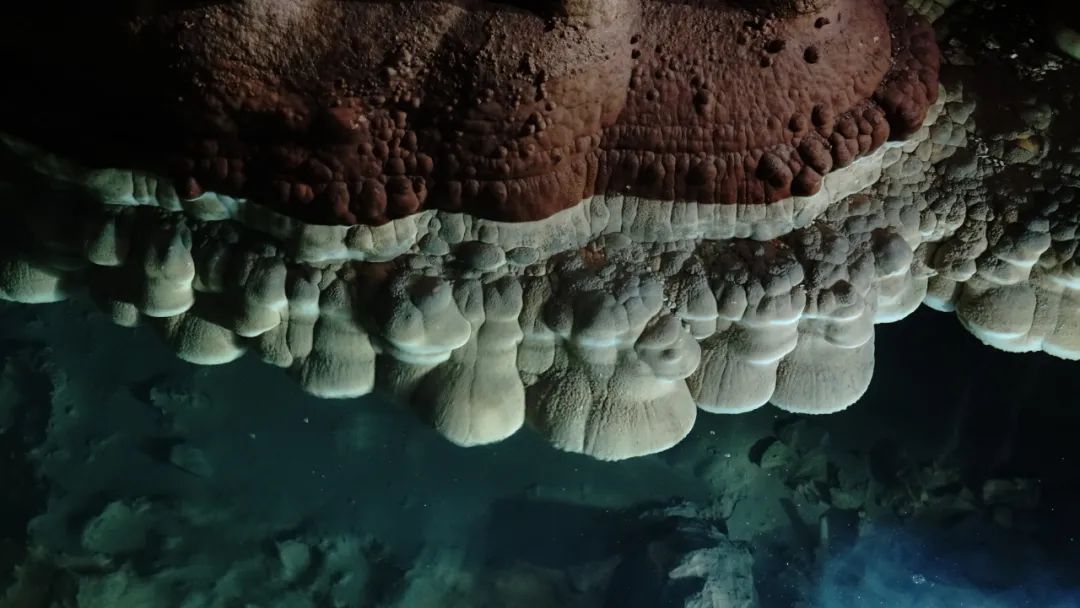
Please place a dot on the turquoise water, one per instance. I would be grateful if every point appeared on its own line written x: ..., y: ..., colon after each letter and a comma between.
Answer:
x: 146, y: 481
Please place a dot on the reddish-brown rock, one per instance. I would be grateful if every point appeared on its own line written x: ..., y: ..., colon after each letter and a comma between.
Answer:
x: 346, y: 112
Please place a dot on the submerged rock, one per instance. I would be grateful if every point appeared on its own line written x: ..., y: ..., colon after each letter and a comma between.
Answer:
x: 683, y: 560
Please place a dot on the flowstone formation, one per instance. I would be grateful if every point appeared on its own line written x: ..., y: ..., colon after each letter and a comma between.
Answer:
x: 596, y: 217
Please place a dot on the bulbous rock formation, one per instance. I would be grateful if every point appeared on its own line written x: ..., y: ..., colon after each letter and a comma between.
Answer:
x: 592, y: 217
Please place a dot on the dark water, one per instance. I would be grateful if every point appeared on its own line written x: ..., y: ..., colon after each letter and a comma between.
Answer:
x: 97, y: 415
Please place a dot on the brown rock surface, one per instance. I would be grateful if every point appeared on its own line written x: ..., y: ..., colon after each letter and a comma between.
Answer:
x: 363, y: 112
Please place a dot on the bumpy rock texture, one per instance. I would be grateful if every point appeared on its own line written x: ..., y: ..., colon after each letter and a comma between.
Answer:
x: 365, y: 112
x: 1008, y: 211
x: 608, y: 325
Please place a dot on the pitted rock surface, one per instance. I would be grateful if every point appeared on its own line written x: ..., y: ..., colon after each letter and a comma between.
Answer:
x: 364, y: 112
